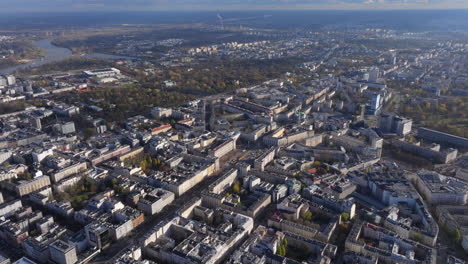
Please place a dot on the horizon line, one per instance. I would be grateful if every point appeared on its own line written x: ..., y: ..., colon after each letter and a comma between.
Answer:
x: 229, y: 10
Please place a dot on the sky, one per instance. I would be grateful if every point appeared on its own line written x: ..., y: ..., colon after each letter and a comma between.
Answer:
x: 187, y: 5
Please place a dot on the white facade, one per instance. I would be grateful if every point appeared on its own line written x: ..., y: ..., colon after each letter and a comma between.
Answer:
x: 11, y: 80
x: 154, y: 202
x: 63, y: 253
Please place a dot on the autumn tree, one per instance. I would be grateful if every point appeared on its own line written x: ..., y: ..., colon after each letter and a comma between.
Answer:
x: 236, y: 187
x: 345, y: 216
x: 307, y: 216
x: 417, y: 237
x: 143, y: 165
x: 282, y: 247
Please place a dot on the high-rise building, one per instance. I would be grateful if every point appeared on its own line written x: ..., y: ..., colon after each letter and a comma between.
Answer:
x: 395, y: 124
x: 3, y: 81
x: 36, y: 123
x: 97, y: 234
x: 374, y: 74
x: 63, y: 253
x: 159, y: 112
x: 5, y: 155
x: 101, y: 129
x: 11, y: 80
x: 375, y: 104
x: 65, y: 128
x: 28, y: 87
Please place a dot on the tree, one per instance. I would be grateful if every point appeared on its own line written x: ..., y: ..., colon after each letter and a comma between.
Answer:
x: 114, y: 181
x: 236, y: 187
x: 25, y: 176
x: 89, y: 132
x: 282, y: 246
x: 285, y: 242
x: 281, y: 250
x: 143, y: 165
x: 156, y: 162
x: 417, y: 237
x: 456, y: 234
x: 92, y: 187
x: 307, y: 216
x: 442, y: 108
x: 345, y: 216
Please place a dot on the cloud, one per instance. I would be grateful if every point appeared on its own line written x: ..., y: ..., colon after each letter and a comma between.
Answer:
x: 73, y: 5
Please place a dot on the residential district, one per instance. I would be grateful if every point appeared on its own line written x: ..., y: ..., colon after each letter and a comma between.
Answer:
x: 280, y: 172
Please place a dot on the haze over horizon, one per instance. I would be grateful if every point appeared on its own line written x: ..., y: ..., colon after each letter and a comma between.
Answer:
x: 206, y: 5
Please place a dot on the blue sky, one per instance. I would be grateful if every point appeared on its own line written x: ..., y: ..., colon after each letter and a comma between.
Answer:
x: 85, y: 5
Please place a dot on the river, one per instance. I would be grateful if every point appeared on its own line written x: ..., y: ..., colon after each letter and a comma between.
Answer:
x: 54, y: 54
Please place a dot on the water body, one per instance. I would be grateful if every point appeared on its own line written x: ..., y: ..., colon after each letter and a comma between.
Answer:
x: 405, y: 20
x: 55, y: 54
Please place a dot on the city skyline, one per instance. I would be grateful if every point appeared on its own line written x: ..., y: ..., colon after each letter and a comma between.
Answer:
x: 234, y: 131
